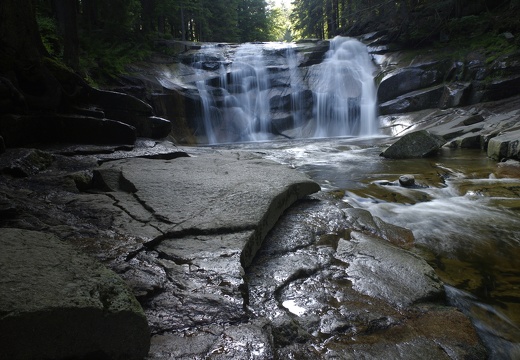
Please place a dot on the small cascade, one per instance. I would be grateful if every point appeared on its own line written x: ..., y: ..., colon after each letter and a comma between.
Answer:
x: 344, y: 91
x: 255, y: 92
x: 249, y: 91
x: 297, y: 88
x: 210, y: 113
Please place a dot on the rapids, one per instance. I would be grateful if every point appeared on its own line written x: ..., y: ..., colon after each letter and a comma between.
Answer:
x: 464, y: 217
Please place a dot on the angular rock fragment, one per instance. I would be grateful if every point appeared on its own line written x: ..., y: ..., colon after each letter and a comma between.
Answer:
x: 417, y: 144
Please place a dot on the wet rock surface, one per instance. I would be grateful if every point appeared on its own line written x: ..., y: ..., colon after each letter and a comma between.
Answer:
x: 179, y: 230
x: 415, y: 145
x: 208, y: 285
x: 57, y: 303
x: 328, y: 296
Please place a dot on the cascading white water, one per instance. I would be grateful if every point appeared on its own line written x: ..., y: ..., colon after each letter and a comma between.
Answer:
x: 297, y: 88
x: 251, y: 85
x: 344, y: 91
x: 242, y: 106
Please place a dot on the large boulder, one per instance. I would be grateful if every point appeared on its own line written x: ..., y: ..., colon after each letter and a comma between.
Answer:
x: 209, y: 194
x: 59, y: 304
x: 417, y: 144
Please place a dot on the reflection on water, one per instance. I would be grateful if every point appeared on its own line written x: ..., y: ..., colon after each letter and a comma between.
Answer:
x: 465, y: 220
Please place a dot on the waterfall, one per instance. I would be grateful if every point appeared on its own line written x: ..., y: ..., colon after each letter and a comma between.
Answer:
x: 344, y: 91
x: 251, y: 85
x: 256, y: 92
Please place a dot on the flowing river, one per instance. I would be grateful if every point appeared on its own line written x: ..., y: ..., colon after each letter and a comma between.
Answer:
x: 463, y: 213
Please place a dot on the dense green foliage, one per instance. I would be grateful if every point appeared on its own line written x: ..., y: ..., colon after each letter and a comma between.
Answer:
x: 409, y: 21
x: 99, y: 37
x: 113, y: 32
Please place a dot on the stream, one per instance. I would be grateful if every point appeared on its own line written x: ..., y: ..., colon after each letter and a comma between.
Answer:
x: 463, y: 213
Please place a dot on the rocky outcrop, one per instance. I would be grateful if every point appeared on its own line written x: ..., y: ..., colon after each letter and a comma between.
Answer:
x: 65, y: 109
x: 415, y: 145
x: 22, y: 130
x: 57, y: 303
x: 399, y: 277
x: 129, y: 110
x: 430, y: 84
x: 471, y: 127
x: 506, y: 146
x: 195, y: 240
x: 405, y: 80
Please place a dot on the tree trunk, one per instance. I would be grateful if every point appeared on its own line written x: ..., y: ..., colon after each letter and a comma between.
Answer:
x: 183, y: 25
x: 20, y: 40
x: 67, y: 16
x: 90, y: 14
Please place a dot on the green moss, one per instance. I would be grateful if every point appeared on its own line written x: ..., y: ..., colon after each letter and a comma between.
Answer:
x: 51, y: 39
x: 103, y: 60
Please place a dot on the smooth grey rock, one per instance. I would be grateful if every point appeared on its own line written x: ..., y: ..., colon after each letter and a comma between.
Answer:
x: 57, y: 303
x: 415, y: 145
x: 455, y: 94
x: 210, y: 194
x: 409, y: 79
x: 502, y: 88
x: 418, y: 100
x: 467, y: 141
x: 506, y: 146
x: 379, y: 269
x: 407, y: 180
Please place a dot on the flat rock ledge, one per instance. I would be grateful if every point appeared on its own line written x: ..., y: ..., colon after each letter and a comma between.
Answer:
x: 205, y: 216
x: 227, y: 194
x: 59, y: 304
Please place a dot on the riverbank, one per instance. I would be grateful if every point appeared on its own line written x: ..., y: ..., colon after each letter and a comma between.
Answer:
x: 189, y: 257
